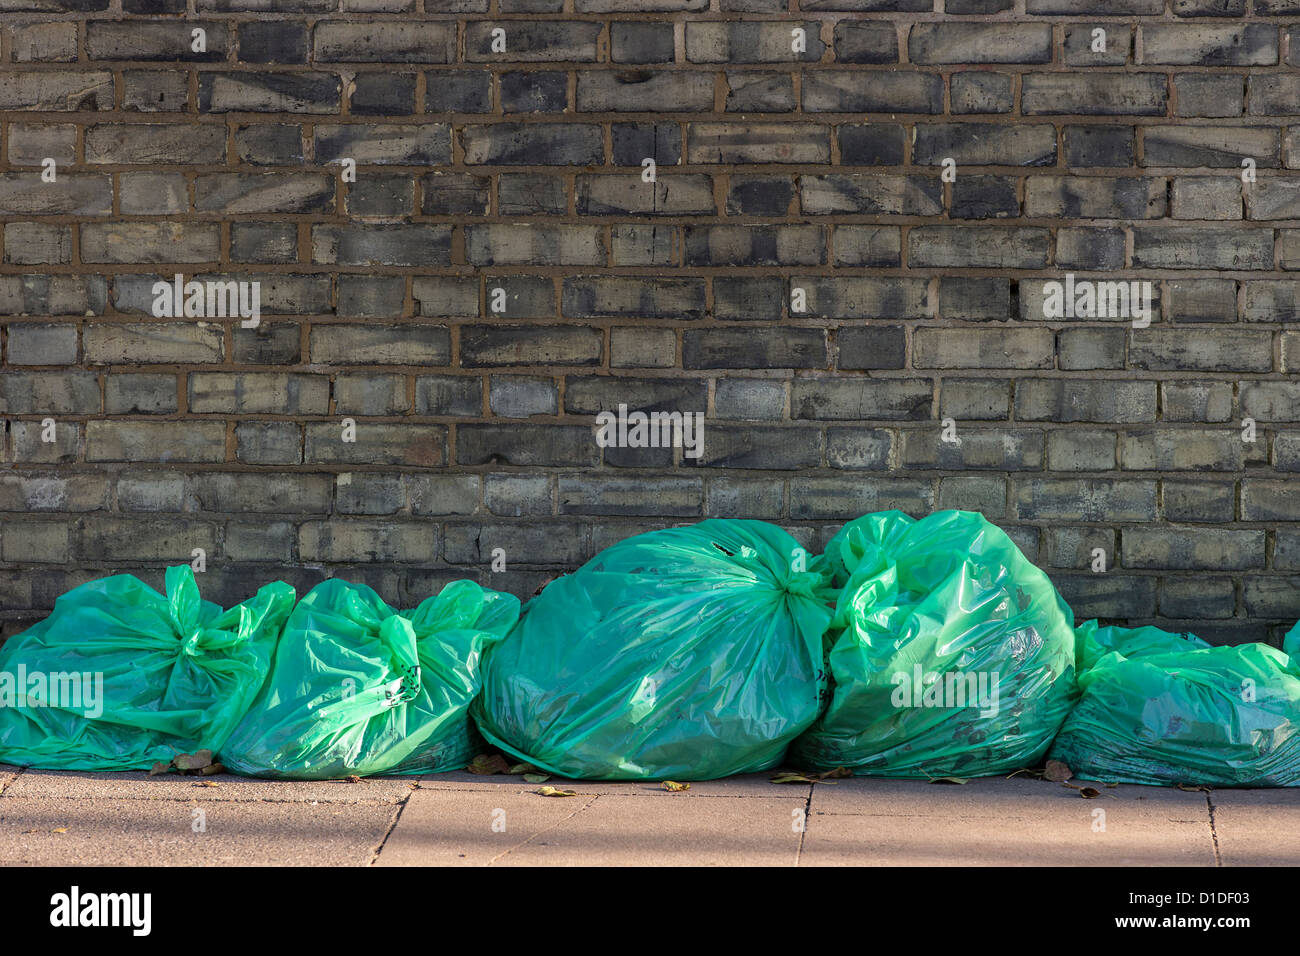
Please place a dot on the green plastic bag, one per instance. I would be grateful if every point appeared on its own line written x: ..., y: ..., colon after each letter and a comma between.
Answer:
x: 688, y: 653
x: 132, y: 677
x: 359, y: 688
x: 950, y: 654
x: 1161, y: 708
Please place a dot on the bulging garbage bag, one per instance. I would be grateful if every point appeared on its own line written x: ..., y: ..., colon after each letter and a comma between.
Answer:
x: 359, y: 688
x: 1161, y: 708
x: 119, y: 676
x: 950, y: 653
x: 687, y: 653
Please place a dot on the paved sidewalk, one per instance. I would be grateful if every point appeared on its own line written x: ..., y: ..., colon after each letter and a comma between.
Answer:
x: 462, y: 819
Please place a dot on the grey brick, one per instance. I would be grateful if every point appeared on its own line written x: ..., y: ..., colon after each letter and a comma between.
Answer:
x: 383, y: 42
x: 963, y: 42
x: 981, y: 92
x: 1187, y: 146
x: 751, y: 41
x: 985, y: 144
x: 861, y: 399
x: 1095, y: 94
x: 1247, y: 44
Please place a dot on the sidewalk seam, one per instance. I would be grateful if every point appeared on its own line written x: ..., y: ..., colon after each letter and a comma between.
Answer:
x: 807, y: 822
x: 392, y: 825
x: 1214, y: 830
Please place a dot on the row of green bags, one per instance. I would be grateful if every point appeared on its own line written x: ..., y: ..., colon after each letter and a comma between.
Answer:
x: 910, y: 648
x: 338, y: 684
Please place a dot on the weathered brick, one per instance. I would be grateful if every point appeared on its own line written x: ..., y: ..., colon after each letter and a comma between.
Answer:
x: 489, y: 345
x: 531, y: 144
x: 383, y: 42
x: 1192, y: 549
x: 1209, y: 94
x: 1247, y: 44
x: 963, y: 42
x: 751, y: 41
x: 192, y: 441
x: 1093, y: 197
x: 1209, y: 247
x: 1095, y: 94
x: 1187, y: 146
x: 405, y: 344
x: 983, y: 348
x: 1212, y: 351
x: 758, y: 143
x: 1075, y: 400
x: 985, y: 144
x: 844, y: 91
x: 982, y: 246
x: 745, y: 348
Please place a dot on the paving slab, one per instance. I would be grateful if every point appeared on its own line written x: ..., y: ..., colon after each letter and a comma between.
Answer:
x: 633, y: 831
x: 990, y: 797
x: 62, y: 832
x: 445, y: 827
x: 1257, y: 827
x: 78, y: 785
x: 997, y: 822
x: 1128, y: 840
x: 747, y: 785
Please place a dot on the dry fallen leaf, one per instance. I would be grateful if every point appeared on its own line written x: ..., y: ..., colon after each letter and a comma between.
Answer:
x: 793, y: 778
x: 159, y: 768
x: 837, y: 774
x: 194, y: 761
x: 955, y: 780
x: 553, y: 792
x: 672, y: 786
x: 1057, y: 771
x: 1194, y: 788
x: 353, y: 778
x: 207, y: 783
x: 537, y: 777
x: 59, y: 830
x: 1089, y: 793
x: 523, y: 768
x: 488, y: 764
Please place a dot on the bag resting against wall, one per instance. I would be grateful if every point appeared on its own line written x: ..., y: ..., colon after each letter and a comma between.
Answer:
x: 359, y: 688
x: 131, y: 677
x: 687, y: 653
x: 950, y: 653
x: 1161, y: 708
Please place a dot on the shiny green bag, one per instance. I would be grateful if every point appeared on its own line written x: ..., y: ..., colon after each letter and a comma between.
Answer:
x: 950, y: 653
x: 687, y: 653
x: 119, y: 676
x: 359, y: 688
x: 1161, y: 708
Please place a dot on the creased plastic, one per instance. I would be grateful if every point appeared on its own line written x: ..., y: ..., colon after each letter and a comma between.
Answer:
x: 358, y: 688
x: 687, y: 653
x: 1161, y: 708
x: 950, y: 653
x: 157, y: 675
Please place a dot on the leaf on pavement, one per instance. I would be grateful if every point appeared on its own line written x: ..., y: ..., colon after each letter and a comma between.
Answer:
x: 554, y: 792
x: 1057, y: 771
x: 488, y: 764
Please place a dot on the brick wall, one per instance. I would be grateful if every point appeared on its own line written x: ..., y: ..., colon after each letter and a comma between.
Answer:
x: 799, y: 269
